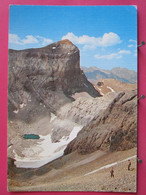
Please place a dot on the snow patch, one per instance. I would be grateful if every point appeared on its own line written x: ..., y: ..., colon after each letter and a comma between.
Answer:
x: 53, y: 116
x: 110, y: 165
x: 16, y: 111
x: 100, y: 91
x: 110, y: 89
x: 10, y: 146
x: 22, y: 105
x: 44, y: 151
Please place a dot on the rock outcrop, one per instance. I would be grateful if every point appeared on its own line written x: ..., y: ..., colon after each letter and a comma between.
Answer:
x: 78, y: 113
x: 115, y: 128
x: 43, y: 79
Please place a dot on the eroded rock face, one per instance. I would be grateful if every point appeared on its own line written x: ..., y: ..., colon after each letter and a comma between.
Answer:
x: 78, y: 113
x: 41, y: 80
x: 113, y: 129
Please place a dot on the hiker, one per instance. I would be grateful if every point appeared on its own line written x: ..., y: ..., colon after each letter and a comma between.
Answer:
x: 129, y: 165
x: 112, y: 172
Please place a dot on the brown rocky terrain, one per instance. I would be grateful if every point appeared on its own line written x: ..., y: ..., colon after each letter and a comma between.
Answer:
x: 76, y: 172
x: 76, y: 114
x: 80, y: 112
x: 113, y: 85
x: 113, y: 129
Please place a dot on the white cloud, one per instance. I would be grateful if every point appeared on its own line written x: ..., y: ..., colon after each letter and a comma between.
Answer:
x: 44, y: 41
x: 108, y: 57
x: 108, y: 39
x: 111, y: 56
x: 131, y: 45
x: 29, y: 39
x: 132, y: 40
x: 124, y: 52
x: 13, y: 38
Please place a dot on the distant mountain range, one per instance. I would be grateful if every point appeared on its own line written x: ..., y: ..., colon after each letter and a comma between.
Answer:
x: 122, y: 74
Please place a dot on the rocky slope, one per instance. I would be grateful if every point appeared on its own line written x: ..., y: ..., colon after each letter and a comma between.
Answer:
x: 112, y: 85
x: 115, y: 128
x: 79, y: 112
x: 86, y: 125
x: 41, y: 80
x: 46, y: 89
x: 55, y: 133
x: 122, y: 74
x: 76, y: 172
x: 50, y: 96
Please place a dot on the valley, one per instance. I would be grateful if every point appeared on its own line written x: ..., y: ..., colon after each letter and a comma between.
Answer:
x: 63, y: 130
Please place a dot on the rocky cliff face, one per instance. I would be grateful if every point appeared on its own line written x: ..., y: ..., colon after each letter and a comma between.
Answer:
x: 43, y: 79
x: 115, y: 128
x: 78, y: 113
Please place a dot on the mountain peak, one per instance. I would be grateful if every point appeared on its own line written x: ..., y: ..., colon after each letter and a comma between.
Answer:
x: 66, y: 41
x: 52, y: 73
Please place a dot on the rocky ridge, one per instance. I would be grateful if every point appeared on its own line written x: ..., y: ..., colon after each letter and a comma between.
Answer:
x: 80, y: 112
x: 115, y: 128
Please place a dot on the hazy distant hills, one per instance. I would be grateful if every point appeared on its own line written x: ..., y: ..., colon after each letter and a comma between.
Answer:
x: 122, y: 74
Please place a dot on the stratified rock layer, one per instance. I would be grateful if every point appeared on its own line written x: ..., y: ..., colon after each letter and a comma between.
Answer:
x: 44, y: 79
x: 113, y: 129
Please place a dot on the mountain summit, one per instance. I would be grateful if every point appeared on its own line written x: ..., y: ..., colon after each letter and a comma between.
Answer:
x: 43, y: 79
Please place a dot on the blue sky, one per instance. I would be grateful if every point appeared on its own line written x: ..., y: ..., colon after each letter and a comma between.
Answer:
x: 105, y: 35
